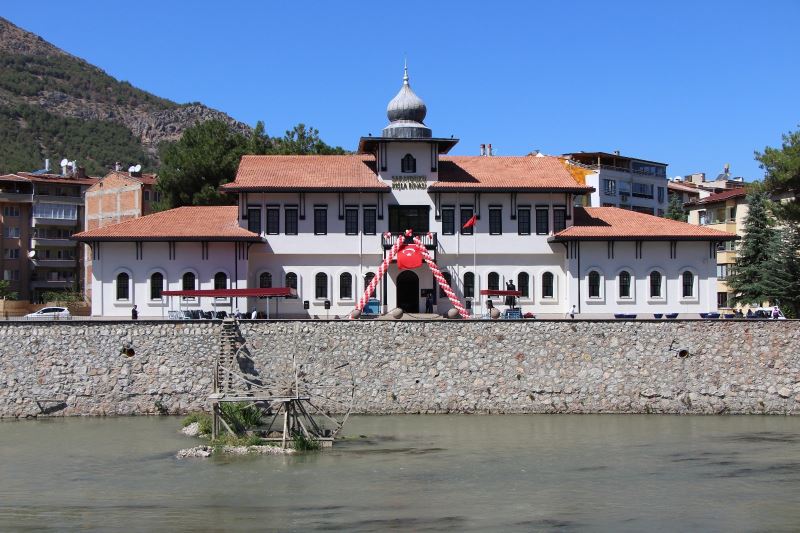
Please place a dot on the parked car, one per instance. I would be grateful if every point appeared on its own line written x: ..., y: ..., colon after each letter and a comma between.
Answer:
x: 765, y: 312
x: 51, y: 313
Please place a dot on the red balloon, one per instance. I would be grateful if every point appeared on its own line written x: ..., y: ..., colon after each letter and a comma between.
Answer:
x: 409, y: 257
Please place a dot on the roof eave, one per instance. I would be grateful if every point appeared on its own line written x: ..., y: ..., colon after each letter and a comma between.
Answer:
x: 245, y: 188
x: 368, y: 145
x: 564, y: 238
x: 89, y: 238
x: 436, y: 187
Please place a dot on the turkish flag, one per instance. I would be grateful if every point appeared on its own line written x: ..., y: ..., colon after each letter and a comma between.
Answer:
x: 409, y: 257
x: 471, y: 222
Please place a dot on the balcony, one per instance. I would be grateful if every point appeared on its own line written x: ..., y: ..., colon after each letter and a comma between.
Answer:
x: 43, y: 221
x: 55, y: 263
x: 16, y: 197
x: 45, y: 241
x: 430, y: 241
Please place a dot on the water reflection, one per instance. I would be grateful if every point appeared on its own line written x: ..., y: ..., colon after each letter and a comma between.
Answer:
x: 422, y: 473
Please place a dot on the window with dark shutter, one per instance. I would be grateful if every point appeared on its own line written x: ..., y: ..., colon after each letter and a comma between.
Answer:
x: 542, y: 222
x: 254, y: 219
x: 495, y: 221
x: 559, y: 219
x: 469, y: 285
x: 524, y: 221
x: 273, y: 221
x: 466, y: 214
x: 351, y: 221
x: 370, y: 221
x: 123, y: 286
x: 156, y: 285
x: 448, y: 221
x: 321, y: 286
x: 290, y: 221
x: 346, y: 286
x: 320, y: 221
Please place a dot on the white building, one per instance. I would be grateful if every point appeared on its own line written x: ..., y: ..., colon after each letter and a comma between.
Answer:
x: 624, y: 182
x: 323, y: 225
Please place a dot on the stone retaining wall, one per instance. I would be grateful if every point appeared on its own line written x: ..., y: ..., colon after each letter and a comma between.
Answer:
x: 410, y: 367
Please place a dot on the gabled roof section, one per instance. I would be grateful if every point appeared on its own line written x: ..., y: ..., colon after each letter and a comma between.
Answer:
x: 195, y: 223
x: 28, y: 177
x: 722, y: 196
x: 498, y: 174
x: 613, y: 223
x: 310, y: 173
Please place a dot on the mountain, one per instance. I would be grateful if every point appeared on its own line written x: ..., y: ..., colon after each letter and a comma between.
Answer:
x: 55, y: 105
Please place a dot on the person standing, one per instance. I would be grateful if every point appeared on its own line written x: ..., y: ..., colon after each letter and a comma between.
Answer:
x: 134, y: 313
x: 429, y: 303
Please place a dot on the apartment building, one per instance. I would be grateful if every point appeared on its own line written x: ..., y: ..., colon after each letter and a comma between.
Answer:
x: 624, y: 182
x: 40, y: 213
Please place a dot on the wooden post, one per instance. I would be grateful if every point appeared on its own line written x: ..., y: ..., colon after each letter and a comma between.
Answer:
x: 285, y: 424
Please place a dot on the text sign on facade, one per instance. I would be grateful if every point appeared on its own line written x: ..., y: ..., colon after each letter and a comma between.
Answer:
x: 409, y: 183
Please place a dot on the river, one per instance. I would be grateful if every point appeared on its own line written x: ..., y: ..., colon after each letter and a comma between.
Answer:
x: 421, y: 473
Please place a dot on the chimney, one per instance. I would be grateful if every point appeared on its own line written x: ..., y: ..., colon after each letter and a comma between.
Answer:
x: 117, y: 166
x: 47, y: 165
x: 64, y: 164
x: 80, y: 172
x: 483, y: 149
x: 489, y: 150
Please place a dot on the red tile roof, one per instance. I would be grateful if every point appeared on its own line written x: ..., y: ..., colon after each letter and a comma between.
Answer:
x: 57, y: 178
x: 206, y: 223
x: 613, y: 223
x: 147, y: 179
x: 290, y: 173
x: 722, y: 196
x: 497, y: 173
x: 673, y: 186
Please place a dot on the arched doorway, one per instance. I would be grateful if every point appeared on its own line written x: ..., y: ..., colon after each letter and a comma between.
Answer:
x: 408, y: 291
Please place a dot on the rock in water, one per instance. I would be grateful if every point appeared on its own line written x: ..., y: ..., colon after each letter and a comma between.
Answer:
x: 197, y: 451
x: 192, y: 430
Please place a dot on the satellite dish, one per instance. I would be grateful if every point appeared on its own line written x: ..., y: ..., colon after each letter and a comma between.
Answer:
x: 32, y: 254
x: 64, y: 162
x: 137, y: 168
x: 131, y: 169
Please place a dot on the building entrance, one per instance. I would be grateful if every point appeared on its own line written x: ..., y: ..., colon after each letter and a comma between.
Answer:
x: 408, y: 291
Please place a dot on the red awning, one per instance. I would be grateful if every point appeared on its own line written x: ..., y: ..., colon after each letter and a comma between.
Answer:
x: 275, y: 292
x: 489, y: 292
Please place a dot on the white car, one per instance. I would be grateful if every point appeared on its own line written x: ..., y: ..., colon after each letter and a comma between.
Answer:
x: 52, y: 313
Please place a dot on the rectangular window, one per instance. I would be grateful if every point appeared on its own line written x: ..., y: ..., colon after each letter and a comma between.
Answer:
x: 11, y: 211
x: 56, y: 211
x: 11, y: 275
x: 351, y: 221
x: 146, y: 196
x: 542, y: 222
x: 642, y: 190
x: 524, y: 221
x: 661, y: 195
x: 320, y: 221
x: 273, y: 220
x: 11, y: 232
x: 290, y: 220
x: 448, y: 221
x: 370, y: 221
x: 732, y: 214
x: 466, y: 214
x: 254, y: 219
x: 12, y: 253
x: 559, y: 219
x: 610, y: 187
x: 722, y: 299
x: 414, y: 217
x: 495, y: 221
x: 723, y: 271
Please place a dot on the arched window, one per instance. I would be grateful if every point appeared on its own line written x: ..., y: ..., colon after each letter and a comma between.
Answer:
x: 265, y: 280
x: 291, y: 282
x: 624, y: 284
x: 449, y: 279
x: 156, y: 285
x: 123, y: 286
x: 548, y: 285
x: 368, y: 279
x: 655, y: 284
x: 220, y: 281
x: 469, y: 285
x: 188, y: 281
x: 594, y: 284
x: 523, y: 284
x: 494, y: 281
x: 321, y: 285
x: 346, y: 286
x: 688, y: 284
x: 408, y: 164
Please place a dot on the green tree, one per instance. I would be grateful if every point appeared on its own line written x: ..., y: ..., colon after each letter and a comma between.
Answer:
x: 782, y: 173
x: 303, y: 140
x: 5, y: 291
x: 675, y: 209
x: 193, y: 168
x: 785, y: 279
x: 753, y: 279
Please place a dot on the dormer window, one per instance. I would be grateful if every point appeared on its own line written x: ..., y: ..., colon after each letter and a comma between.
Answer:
x: 408, y: 164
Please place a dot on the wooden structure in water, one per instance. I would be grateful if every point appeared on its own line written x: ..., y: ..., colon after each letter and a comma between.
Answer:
x: 302, y: 397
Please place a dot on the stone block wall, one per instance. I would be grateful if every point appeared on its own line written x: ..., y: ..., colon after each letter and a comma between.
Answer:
x: 417, y: 367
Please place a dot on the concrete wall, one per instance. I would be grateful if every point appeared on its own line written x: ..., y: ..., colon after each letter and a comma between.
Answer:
x: 410, y: 367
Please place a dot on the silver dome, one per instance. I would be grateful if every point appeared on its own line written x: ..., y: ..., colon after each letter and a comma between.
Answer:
x: 406, y: 113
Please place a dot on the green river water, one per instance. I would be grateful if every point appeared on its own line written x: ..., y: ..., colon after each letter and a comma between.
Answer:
x: 413, y: 473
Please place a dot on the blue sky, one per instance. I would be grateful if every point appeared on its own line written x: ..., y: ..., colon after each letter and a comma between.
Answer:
x: 693, y: 84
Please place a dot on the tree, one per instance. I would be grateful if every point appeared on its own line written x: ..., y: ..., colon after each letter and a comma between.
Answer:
x: 675, y: 209
x: 302, y: 140
x: 194, y: 167
x: 5, y: 291
x: 753, y: 278
x: 785, y: 278
x: 782, y: 173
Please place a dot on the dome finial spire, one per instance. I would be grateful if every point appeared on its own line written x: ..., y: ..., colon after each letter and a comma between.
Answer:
x: 405, y: 71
